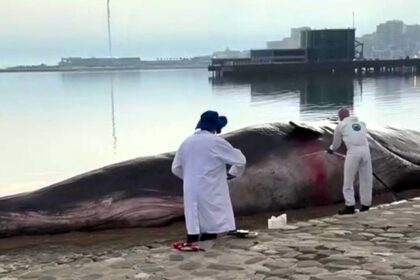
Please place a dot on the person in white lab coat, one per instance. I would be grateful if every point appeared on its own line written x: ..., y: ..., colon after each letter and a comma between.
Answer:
x: 201, y: 163
x: 358, y: 160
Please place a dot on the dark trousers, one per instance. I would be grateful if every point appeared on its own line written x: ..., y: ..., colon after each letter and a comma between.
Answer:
x: 200, y: 237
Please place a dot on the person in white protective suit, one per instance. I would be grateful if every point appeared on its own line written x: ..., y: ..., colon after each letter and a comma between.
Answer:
x: 354, y: 134
x: 201, y: 163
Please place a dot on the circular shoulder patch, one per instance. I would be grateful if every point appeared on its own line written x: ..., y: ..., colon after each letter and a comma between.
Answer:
x: 356, y: 127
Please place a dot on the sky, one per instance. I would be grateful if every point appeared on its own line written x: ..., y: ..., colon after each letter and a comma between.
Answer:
x: 33, y: 32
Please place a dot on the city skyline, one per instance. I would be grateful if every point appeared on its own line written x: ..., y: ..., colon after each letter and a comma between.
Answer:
x: 54, y: 29
x: 391, y: 39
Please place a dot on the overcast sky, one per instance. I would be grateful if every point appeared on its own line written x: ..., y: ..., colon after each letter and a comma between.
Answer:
x: 45, y: 30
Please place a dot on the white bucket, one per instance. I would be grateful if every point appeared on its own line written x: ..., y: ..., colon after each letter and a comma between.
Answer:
x: 277, y: 222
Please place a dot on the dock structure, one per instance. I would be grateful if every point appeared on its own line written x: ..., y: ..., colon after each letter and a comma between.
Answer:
x: 242, y: 67
x: 326, y: 51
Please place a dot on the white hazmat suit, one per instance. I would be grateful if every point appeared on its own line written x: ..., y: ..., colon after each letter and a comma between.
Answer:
x: 201, y: 163
x: 354, y: 134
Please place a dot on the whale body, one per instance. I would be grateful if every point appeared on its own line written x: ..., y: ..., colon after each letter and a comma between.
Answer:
x: 286, y: 168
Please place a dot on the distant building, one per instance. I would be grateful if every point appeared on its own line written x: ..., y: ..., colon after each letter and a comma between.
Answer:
x: 369, y: 43
x: 390, y: 33
x: 413, y: 32
x: 315, y: 45
x: 204, y: 58
x: 412, y: 39
x: 291, y: 42
x: 227, y: 53
x: 279, y: 55
x: 98, y: 62
x: 296, y: 35
x: 329, y: 44
x: 286, y: 43
x: 392, y: 40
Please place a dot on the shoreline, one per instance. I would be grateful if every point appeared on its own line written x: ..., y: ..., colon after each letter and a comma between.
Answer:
x: 95, y: 69
x: 174, y: 231
x: 379, y: 244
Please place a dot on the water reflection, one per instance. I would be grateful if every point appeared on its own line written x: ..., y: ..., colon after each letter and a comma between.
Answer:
x: 79, y: 121
x: 94, y: 79
x: 315, y: 93
x: 391, y: 88
x: 319, y: 96
x: 327, y: 92
x: 105, y: 82
x: 114, y: 134
x: 393, y: 98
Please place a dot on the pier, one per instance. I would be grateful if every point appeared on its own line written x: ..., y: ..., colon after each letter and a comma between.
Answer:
x: 246, y: 67
x: 320, y: 51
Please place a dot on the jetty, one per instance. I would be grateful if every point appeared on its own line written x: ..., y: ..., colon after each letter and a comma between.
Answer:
x: 243, y: 67
x: 320, y: 51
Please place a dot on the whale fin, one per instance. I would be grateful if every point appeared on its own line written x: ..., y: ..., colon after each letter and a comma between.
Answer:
x: 306, y: 130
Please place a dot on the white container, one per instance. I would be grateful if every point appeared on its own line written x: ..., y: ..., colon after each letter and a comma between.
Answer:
x: 277, y: 222
x: 284, y: 218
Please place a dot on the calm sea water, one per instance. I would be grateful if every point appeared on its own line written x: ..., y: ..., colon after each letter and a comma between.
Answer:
x: 56, y: 125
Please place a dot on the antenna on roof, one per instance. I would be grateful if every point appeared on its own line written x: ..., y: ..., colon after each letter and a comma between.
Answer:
x: 109, y: 28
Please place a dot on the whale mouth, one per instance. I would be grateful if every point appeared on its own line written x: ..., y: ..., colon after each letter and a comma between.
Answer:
x: 103, y: 214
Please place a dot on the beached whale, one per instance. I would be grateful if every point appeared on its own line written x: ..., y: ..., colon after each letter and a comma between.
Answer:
x: 286, y: 168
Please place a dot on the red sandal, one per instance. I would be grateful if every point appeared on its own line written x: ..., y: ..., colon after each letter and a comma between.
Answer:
x: 186, y: 247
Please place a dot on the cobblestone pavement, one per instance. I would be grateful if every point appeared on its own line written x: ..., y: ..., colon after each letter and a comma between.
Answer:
x: 381, y: 244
